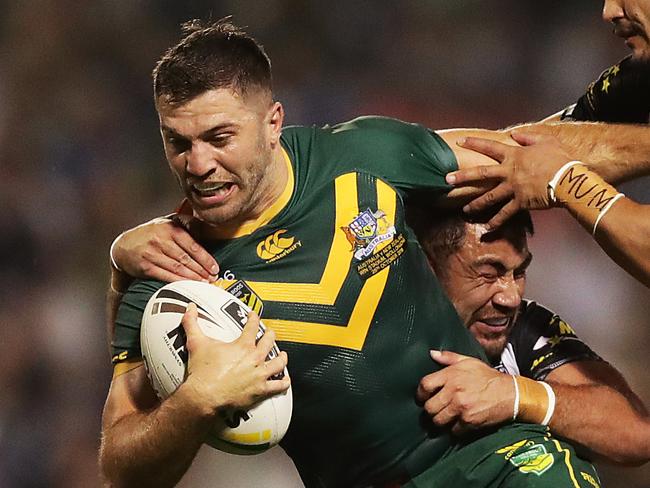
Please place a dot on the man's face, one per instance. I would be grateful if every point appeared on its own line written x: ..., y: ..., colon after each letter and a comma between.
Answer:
x: 485, y: 281
x: 631, y: 20
x: 219, y: 146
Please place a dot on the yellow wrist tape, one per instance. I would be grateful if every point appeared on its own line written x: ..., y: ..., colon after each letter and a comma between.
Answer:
x: 536, y: 401
x: 584, y: 193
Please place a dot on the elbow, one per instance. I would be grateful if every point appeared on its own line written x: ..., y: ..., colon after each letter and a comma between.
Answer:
x: 110, y: 467
x: 632, y: 455
x: 108, y: 473
x: 629, y: 460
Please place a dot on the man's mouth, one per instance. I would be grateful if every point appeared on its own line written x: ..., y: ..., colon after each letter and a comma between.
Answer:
x: 627, y: 30
x: 212, y: 192
x: 496, y: 322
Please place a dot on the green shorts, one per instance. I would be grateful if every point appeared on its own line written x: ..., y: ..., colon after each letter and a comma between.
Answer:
x: 515, y: 456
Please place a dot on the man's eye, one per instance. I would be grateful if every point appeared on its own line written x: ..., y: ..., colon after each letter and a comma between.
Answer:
x: 179, y: 145
x: 220, y: 141
x: 489, y: 276
x: 520, y: 273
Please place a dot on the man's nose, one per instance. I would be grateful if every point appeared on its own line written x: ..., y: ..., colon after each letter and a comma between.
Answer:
x: 200, y: 159
x: 509, y: 294
x: 613, y: 9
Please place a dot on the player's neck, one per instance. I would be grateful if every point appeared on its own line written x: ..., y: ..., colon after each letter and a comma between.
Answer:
x: 274, y: 181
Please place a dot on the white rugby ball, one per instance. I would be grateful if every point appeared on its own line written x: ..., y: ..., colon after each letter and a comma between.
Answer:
x: 221, y: 316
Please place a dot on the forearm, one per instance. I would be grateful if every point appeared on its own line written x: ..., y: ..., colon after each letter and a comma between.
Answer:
x: 617, y: 152
x: 119, y: 282
x: 624, y: 234
x: 603, y: 421
x: 154, y: 448
x: 619, y: 225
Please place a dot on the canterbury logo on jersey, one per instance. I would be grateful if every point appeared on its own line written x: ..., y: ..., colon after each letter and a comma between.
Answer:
x: 276, y: 247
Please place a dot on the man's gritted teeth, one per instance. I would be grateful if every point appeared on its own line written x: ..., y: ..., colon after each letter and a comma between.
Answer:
x: 209, y: 189
x: 496, y: 322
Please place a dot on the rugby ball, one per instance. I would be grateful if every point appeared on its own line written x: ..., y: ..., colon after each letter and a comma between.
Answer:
x: 220, y: 316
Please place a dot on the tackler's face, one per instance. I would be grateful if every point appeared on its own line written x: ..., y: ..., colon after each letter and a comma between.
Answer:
x: 485, y: 281
x: 631, y: 21
x: 219, y: 146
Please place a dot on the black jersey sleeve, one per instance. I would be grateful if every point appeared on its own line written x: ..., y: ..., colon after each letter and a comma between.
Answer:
x: 542, y: 341
x: 126, y: 337
x: 620, y: 94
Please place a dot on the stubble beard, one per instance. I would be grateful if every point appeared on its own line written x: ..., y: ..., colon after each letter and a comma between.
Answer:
x: 494, y: 346
x: 251, y: 189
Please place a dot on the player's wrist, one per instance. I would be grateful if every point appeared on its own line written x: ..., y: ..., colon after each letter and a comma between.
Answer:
x: 119, y: 281
x: 191, y: 393
x: 111, y: 252
x: 583, y: 192
x: 534, y: 401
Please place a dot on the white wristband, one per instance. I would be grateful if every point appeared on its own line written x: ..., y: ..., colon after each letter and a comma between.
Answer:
x: 604, y: 211
x: 556, y: 178
x: 515, y: 409
x: 110, y: 253
x: 551, y: 403
x: 166, y: 218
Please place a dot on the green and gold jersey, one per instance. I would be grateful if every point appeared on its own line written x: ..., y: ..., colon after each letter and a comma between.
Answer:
x: 338, y: 275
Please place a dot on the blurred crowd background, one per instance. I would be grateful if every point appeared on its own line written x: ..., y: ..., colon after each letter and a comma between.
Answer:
x: 81, y: 160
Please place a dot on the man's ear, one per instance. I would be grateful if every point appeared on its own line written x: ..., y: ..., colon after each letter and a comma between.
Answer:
x: 275, y: 121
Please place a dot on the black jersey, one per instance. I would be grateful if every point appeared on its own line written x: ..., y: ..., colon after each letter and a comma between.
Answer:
x: 342, y: 280
x: 539, y: 342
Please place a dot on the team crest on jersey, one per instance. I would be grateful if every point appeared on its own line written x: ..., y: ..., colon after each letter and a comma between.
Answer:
x: 276, y: 246
x: 528, y: 457
x: 535, y: 460
x: 367, y: 231
x: 374, y: 240
x: 244, y: 292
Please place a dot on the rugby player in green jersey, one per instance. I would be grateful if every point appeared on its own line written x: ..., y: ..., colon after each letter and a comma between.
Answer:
x: 309, y: 223
x: 484, y: 275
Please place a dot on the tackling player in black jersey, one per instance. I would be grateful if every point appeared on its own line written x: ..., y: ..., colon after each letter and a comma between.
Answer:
x: 484, y: 274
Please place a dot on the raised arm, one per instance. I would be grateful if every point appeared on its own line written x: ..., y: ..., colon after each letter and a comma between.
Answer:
x: 619, y: 225
x: 147, y: 443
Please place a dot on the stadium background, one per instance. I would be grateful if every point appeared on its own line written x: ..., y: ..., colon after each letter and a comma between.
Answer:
x: 81, y: 160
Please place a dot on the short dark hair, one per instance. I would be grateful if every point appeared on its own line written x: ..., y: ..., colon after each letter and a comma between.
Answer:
x: 208, y: 57
x: 441, y: 232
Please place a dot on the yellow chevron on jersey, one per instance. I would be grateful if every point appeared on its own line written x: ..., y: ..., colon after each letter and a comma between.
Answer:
x: 326, y: 291
x: 338, y: 262
x: 354, y: 334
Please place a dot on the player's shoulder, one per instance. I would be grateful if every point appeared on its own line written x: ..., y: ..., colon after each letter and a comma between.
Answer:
x: 366, y: 125
x: 370, y: 125
x: 531, y: 311
x: 535, y: 318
